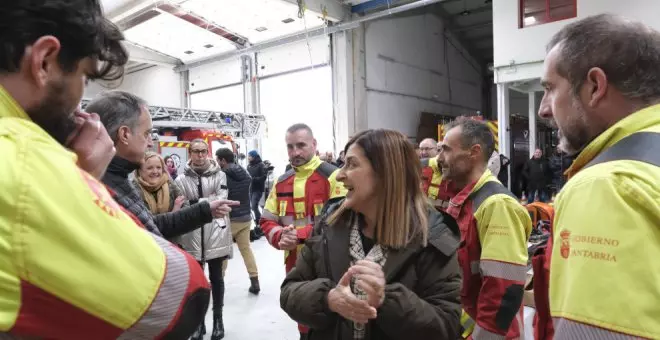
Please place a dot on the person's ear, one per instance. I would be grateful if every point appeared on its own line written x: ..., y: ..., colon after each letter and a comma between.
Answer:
x: 595, y: 87
x: 475, y: 151
x: 42, y: 59
x: 123, y: 135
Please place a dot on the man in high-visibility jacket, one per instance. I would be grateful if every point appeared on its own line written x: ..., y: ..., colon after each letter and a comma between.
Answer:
x: 73, y: 264
x: 298, y: 196
x: 438, y: 191
x: 494, y: 232
x: 604, y: 270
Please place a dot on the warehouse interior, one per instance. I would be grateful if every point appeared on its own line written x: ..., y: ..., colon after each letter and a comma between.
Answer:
x: 348, y: 64
x: 340, y: 66
x: 329, y: 169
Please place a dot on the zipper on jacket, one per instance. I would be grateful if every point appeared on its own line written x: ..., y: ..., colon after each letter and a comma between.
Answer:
x: 201, y: 194
x: 326, y: 251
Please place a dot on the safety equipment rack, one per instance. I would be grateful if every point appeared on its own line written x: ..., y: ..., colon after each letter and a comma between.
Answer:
x: 238, y: 125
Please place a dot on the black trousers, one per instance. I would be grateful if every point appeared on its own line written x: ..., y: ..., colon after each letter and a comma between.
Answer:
x: 255, y: 197
x: 217, y: 282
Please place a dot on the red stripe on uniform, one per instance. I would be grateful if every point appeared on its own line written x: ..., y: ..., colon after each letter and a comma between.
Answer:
x: 45, y: 315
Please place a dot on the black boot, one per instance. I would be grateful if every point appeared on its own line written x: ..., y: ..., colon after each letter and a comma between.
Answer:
x: 218, y: 326
x: 254, y: 286
x: 199, y: 332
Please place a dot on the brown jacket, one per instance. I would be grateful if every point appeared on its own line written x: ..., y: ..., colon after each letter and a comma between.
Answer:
x: 421, y: 294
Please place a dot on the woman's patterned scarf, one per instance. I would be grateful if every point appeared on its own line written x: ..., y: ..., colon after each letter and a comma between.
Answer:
x: 377, y: 254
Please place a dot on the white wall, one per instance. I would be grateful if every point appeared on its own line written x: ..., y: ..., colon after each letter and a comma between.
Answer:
x: 158, y: 85
x: 408, y: 71
x: 525, y: 47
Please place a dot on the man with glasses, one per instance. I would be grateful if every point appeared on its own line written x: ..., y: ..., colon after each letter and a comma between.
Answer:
x: 428, y: 148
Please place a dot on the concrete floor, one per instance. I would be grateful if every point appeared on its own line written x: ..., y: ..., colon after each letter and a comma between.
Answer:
x: 250, y: 317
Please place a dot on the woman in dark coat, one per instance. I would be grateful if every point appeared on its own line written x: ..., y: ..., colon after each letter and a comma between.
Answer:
x: 381, y: 264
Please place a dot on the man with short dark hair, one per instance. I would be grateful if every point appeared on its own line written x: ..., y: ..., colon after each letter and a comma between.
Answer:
x: 297, y: 198
x: 602, y: 89
x: 238, y: 185
x: 127, y: 119
x: 494, y: 233
x: 73, y: 263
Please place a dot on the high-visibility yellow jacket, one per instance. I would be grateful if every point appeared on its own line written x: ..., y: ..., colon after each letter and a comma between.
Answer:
x: 493, y: 257
x: 297, y: 199
x: 73, y: 265
x: 438, y: 191
x: 605, y: 267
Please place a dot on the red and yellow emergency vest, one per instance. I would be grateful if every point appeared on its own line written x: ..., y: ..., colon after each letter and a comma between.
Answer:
x: 73, y: 265
x: 437, y: 190
x: 493, y: 256
x: 297, y: 198
x: 604, y: 271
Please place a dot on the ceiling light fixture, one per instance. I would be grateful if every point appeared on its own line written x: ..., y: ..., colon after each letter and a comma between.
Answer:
x: 208, y: 45
x: 288, y: 20
x: 188, y: 52
x: 260, y: 29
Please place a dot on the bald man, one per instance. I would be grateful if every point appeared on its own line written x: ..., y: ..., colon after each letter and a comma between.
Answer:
x: 428, y: 148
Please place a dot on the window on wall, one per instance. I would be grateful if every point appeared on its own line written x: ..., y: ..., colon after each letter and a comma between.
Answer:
x: 299, y: 97
x: 226, y: 99
x: 536, y: 12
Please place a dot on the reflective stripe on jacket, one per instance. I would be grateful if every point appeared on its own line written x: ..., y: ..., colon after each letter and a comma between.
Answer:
x: 73, y: 264
x: 604, y: 271
x: 217, y: 235
x: 296, y: 199
x: 493, y: 256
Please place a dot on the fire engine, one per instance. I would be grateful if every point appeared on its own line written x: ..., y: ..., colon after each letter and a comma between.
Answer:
x: 175, y: 128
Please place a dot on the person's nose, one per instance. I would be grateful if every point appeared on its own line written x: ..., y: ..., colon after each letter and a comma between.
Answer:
x: 150, y: 143
x: 545, y: 110
x: 341, y: 175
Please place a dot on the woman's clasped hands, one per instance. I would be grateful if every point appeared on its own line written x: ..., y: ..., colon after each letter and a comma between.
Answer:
x: 371, y: 279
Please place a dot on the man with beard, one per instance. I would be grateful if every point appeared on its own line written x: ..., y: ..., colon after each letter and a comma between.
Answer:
x: 494, y: 232
x: 127, y: 119
x: 73, y: 264
x: 298, y: 196
x: 438, y: 191
x: 602, y: 89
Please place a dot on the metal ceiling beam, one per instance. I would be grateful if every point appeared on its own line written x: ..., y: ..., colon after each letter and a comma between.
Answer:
x: 334, y: 10
x: 344, y: 26
x: 146, y: 55
x: 129, y: 9
x: 194, y: 18
x: 152, y: 9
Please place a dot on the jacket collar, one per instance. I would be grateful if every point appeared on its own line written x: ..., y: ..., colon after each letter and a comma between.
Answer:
x: 308, y: 168
x: 635, y: 122
x: 121, y: 167
x: 463, y: 195
x: 9, y: 108
x: 338, y: 237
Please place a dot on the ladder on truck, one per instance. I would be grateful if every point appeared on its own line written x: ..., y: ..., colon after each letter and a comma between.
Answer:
x: 238, y: 125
